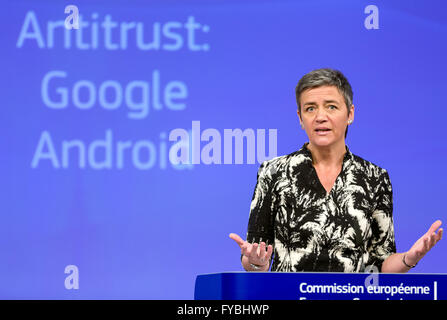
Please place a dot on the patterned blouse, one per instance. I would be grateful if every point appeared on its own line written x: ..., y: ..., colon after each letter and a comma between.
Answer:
x: 311, y: 230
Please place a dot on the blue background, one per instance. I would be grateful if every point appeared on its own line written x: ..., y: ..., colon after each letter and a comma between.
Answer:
x: 146, y: 234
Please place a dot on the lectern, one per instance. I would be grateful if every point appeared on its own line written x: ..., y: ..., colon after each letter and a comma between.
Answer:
x: 317, y: 286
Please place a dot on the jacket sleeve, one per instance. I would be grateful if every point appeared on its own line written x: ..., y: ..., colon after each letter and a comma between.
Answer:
x: 262, y: 211
x: 382, y: 242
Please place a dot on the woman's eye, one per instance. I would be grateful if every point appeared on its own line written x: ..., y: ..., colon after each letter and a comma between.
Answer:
x: 333, y: 106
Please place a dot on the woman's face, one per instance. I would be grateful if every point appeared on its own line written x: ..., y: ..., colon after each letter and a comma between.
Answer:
x: 324, y: 108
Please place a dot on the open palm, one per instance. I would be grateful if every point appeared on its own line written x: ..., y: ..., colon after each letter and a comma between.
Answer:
x: 424, y: 243
x: 258, y: 254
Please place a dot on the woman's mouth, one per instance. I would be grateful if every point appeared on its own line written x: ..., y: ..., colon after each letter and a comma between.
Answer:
x: 322, y: 132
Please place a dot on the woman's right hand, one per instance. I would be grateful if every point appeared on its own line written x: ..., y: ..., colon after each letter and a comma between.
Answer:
x: 257, y: 254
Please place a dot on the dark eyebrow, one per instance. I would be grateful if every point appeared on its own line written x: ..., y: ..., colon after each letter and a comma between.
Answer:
x: 325, y: 101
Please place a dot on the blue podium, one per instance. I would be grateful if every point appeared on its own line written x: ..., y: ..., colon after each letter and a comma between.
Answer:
x: 318, y: 286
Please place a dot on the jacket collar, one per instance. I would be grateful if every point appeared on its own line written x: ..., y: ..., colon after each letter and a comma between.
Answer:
x: 308, y: 155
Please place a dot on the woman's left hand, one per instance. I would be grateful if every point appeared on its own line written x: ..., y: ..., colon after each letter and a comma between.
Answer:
x: 424, y: 244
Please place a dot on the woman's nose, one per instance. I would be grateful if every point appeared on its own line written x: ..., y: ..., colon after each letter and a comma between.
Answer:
x: 321, y: 113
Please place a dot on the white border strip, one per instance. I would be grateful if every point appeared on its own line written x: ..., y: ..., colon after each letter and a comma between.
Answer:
x: 435, y: 290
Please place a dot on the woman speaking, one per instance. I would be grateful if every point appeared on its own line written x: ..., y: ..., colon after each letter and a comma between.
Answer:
x: 322, y: 208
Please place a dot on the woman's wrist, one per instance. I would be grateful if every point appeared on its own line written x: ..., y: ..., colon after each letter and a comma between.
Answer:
x: 250, y: 266
x: 256, y: 267
x: 259, y: 267
x: 408, y: 261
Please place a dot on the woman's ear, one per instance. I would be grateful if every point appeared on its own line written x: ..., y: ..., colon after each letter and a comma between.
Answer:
x: 299, y: 117
x: 351, y: 114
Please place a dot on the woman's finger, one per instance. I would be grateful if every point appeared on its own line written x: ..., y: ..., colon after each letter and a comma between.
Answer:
x: 262, y: 252
x: 433, y: 240
x: 269, y: 251
x: 238, y: 239
x: 434, y: 227
x: 439, y: 235
x: 254, y: 251
x: 244, y: 248
x: 426, y: 245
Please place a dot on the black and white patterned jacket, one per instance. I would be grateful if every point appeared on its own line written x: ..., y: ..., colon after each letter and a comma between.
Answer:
x: 311, y: 230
